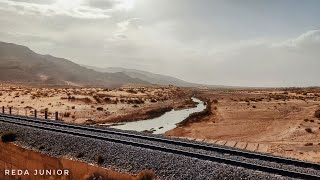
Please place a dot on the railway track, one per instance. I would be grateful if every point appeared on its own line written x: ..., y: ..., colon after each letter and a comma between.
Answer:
x: 76, y: 130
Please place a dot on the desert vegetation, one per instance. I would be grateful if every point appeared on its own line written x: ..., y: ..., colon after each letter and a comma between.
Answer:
x: 99, y: 159
x: 317, y: 114
x: 8, y: 136
x: 279, y: 121
x: 146, y: 175
x: 93, y: 105
x: 199, y: 116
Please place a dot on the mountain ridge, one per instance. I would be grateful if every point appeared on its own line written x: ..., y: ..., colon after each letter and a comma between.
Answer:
x: 20, y: 64
x: 152, y: 78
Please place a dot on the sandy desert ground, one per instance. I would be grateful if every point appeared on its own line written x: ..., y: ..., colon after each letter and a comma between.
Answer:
x: 94, y: 105
x: 277, y: 121
x: 281, y: 122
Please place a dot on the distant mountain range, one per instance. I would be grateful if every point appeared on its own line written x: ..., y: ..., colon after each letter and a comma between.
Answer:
x: 19, y: 64
x: 145, y: 76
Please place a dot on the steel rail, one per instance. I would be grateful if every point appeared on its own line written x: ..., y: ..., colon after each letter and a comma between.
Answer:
x: 251, y: 166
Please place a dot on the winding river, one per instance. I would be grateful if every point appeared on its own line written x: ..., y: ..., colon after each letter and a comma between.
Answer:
x: 163, y: 123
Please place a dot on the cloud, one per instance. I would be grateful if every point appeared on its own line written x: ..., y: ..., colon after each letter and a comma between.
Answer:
x: 133, y: 23
x: 307, y: 42
x: 101, y: 4
x: 188, y: 40
x: 111, y: 4
x: 74, y: 8
x: 292, y: 62
x: 84, y: 9
x: 36, y: 1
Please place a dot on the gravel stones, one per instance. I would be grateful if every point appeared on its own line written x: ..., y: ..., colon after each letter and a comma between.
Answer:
x: 127, y: 158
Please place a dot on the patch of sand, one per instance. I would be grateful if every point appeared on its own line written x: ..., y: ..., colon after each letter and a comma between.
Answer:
x: 92, y: 105
x: 260, y: 121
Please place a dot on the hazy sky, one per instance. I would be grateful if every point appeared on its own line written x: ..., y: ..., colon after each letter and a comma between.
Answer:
x: 229, y: 42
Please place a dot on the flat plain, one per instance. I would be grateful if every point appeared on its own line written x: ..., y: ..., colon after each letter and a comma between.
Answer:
x: 283, y: 122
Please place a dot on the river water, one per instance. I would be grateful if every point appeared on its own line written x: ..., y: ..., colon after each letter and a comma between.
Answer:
x: 163, y: 123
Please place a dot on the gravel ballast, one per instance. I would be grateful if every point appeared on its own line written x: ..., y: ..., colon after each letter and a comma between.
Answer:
x: 128, y: 158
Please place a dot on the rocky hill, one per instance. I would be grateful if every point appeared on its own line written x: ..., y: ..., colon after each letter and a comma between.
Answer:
x: 19, y: 64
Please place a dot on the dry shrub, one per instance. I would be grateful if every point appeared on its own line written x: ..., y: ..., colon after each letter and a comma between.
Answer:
x: 309, y: 130
x: 146, y: 175
x: 100, y: 108
x: 107, y: 99
x: 93, y: 177
x: 79, y: 155
x: 8, y: 136
x: 317, y: 114
x: 71, y: 98
x: 132, y: 91
x: 97, y: 98
x: 308, y: 144
x: 90, y: 122
x: 197, y: 116
x: 99, y: 159
x: 85, y: 100
x: 43, y: 110
x: 153, y: 100
x: 66, y: 114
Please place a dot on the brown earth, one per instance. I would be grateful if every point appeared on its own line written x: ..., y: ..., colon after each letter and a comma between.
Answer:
x: 13, y: 157
x: 269, y: 121
x: 94, y: 105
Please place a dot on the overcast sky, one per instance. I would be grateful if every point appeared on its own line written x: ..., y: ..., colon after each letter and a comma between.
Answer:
x: 226, y: 42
